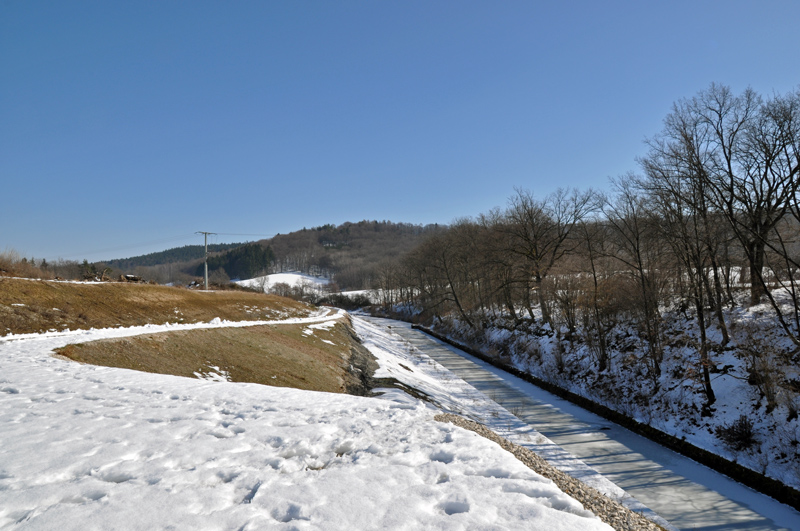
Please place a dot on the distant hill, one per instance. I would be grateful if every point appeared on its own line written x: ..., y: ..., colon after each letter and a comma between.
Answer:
x: 187, y: 253
x: 351, y: 254
x: 246, y: 261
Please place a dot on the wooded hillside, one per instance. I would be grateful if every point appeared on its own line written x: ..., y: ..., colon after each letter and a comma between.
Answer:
x: 187, y: 253
x: 353, y: 255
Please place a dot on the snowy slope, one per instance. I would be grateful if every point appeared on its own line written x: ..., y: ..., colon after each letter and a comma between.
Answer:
x: 85, y: 447
x: 291, y: 279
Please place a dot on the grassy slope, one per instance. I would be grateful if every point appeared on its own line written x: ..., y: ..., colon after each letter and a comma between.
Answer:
x: 279, y: 355
x: 32, y: 306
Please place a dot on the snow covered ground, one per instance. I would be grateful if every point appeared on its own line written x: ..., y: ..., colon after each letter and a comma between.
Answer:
x: 690, y: 495
x: 86, y: 447
x: 290, y: 279
x: 675, y: 402
x: 401, y: 360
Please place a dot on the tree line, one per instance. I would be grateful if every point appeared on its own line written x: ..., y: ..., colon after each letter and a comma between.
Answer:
x: 711, y: 222
x: 248, y: 261
x: 176, y: 255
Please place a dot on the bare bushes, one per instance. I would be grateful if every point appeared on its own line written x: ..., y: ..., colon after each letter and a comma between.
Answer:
x: 12, y: 264
x: 559, y: 358
x: 739, y: 435
x: 219, y: 277
x: 346, y: 302
x: 566, y: 292
x: 600, y: 307
x: 791, y: 399
x: 528, y: 349
x: 8, y: 259
x: 302, y: 291
x: 762, y: 360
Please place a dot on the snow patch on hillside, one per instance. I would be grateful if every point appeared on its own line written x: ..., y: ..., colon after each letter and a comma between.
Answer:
x: 291, y: 279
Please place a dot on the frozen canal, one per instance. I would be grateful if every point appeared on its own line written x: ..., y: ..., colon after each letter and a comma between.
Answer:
x: 688, y: 495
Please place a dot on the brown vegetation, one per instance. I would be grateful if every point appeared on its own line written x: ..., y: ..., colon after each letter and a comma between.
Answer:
x: 13, y: 265
x: 35, y: 306
x: 285, y: 355
x: 278, y: 355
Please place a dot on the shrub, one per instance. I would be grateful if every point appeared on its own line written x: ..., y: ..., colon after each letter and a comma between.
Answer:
x: 739, y: 435
x: 761, y: 358
x: 11, y: 264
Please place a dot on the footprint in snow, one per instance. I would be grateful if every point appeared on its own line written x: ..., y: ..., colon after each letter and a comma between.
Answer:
x: 293, y: 512
x: 454, y: 506
x: 443, y: 457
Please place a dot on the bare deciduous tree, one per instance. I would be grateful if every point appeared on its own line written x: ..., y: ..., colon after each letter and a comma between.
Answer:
x: 539, y: 230
x: 637, y: 247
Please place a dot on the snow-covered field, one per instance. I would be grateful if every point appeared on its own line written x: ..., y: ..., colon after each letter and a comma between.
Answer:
x: 86, y: 447
x: 290, y: 279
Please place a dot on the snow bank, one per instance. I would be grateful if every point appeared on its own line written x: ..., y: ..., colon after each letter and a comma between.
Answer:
x: 86, y: 447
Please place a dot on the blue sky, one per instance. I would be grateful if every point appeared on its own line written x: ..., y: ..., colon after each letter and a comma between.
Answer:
x: 127, y: 126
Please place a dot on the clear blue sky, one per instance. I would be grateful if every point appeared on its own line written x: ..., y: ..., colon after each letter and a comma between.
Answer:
x: 127, y: 126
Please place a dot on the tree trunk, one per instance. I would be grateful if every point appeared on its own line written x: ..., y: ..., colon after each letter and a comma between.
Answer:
x: 542, y: 304
x: 718, y: 306
x: 704, y: 359
x: 755, y: 257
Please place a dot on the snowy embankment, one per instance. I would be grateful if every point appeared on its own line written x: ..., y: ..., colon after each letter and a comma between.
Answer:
x: 86, y: 447
x: 758, y: 361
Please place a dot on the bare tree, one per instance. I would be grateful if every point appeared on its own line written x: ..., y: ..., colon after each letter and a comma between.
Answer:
x: 634, y: 235
x: 745, y: 154
x: 599, y: 301
x: 682, y: 228
x: 424, y: 274
x: 678, y: 183
x: 539, y: 231
x: 505, y: 270
x: 751, y: 165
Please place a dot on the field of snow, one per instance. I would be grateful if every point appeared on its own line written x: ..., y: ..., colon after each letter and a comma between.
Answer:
x: 290, y: 279
x: 86, y: 447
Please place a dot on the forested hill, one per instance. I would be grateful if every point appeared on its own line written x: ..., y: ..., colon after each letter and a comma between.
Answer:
x: 247, y: 261
x: 186, y: 253
x: 351, y: 254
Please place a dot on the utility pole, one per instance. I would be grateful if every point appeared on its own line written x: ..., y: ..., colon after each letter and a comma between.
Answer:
x: 205, y: 234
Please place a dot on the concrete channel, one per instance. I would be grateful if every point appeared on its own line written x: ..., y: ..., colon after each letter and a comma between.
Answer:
x: 687, y: 494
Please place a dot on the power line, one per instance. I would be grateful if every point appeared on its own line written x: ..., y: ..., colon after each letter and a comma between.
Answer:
x: 242, y: 234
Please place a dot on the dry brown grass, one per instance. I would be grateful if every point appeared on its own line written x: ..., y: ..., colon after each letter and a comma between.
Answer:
x: 13, y: 265
x: 34, y: 306
x: 283, y: 355
x: 279, y: 355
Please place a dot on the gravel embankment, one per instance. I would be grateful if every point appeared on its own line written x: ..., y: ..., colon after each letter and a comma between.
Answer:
x: 611, y: 512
